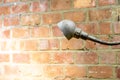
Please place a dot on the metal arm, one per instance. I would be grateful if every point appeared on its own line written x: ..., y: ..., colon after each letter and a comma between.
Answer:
x: 70, y: 30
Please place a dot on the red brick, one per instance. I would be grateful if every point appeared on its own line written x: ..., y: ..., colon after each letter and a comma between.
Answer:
x: 60, y: 4
x: 20, y: 33
x: 1, y: 22
x: 84, y: 3
x: 101, y: 14
x: 21, y: 45
x: 9, y: 45
x: 56, y: 31
x: 103, y: 38
x: 51, y: 18
x: 4, y: 58
x: 31, y: 19
x: 72, y: 44
x: 105, y: 28
x: 75, y: 16
x: 21, y: 58
x: 40, y: 6
x: 87, y: 58
x: 90, y: 44
x: 11, y: 70
x: 30, y: 45
x: 5, y: 1
x: 116, y: 39
x: 75, y: 71
x: 54, y: 43
x: 11, y: 21
x: 107, y: 57
x: 116, y: 27
x: 106, y: 2
x: 53, y: 71
x: 118, y: 58
x: 20, y: 8
x: 5, y: 34
x: 40, y: 32
x: 90, y: 28
x: 46, y: 44
x: 31, y: 70
x: 1, y: 70
x: 100, y: 72
x: 3, y: 45
x: 0, y: 1
x: 4, y: 10
x: 63, y: 58
x: 41, y: 57
x: 118, y: 72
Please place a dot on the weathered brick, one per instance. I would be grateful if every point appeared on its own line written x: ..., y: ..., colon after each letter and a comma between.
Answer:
x: 75, y: 16
x: 30, y: 19
x: 0, y: 1
x: 20, y: 8
x: 87, y: 58
x: 116, y: 26
x: 11, y: 70
x: 56, y: 31
x: 20, y: 33
x: 41, y: 57
x: 53, y: 71
x: 46, y: 44
x: 103, y: 38
x: 90, y: 45
x: 3, y: 45
x: 5, y: 1
x: 9, y: 45
x: 11, y: 21
x: 5, y: 34
x: 54, y: 43
x: 30, y: 45
x: 63, y: 57
x: 1, y: 22
x: 100, y: 14
x: 118, y: 58
x: 40, y: 32
x: 60, y: 4
x: 72, y: 44
x: 100, y: 72
x: 22, y: 45
x: 40, y: 6
x: 4, y: 10
x: 4, y: 58
x: 51, y: 18
x: 118, y: 72
x: 105, y: 28
x: 28, y: 70
x: 107, y: 57
x: 116, y: 39
x: 106, y: 2
x: 75, y: 71
x: 84, y: 3
x: 90, y: 28
x: 21, y: 58
x: 1, y: 70
x: 23, y: 70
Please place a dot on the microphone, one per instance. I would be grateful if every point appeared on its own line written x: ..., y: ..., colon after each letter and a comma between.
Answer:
x: 70, y: 30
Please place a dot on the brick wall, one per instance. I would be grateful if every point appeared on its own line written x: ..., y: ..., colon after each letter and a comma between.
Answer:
x: 33, y: 48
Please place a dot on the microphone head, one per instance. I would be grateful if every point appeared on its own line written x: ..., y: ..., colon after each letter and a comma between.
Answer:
x: 67, y: 27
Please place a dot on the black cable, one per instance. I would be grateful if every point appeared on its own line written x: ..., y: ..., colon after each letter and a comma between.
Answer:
x: 102, y: 42
x: 70, y: 30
